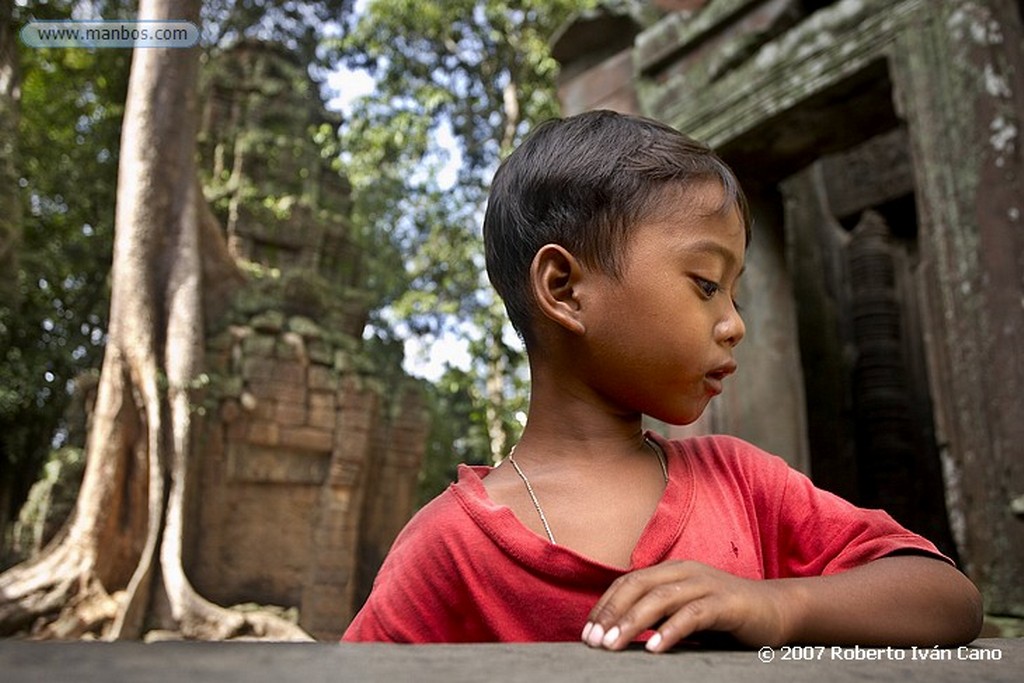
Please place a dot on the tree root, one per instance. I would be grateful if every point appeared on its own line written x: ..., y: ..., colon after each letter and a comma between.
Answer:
x: 204, y: 620
x: 57, y: 595
x: 86, y: 615
x: 39, y: 605
x: 38, y: 598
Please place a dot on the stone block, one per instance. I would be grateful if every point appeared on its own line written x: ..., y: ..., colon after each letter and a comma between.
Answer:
x: 238, y: 430
x: 290, y: 414
x: 356, y: 420
x: 344, y: 472
x: 342, y: 361
x: 333, y: 542
x: 322, y: 419
x: 326, y: 607
x: 333, y: 571
x: 282, y: 391
x: 266, y: 409
x: 230, y: 410
x: 239, y: 332
x: 257, y: 464
x: 356, y: 393
x: 337, y: 502
x: 259, y: 367
x: 259, y: 345
x: 268, y: 321
x: 307, y: 437
x: 263, y: 433
x: 320, y: 377
x: 325, y: 595
x: 608, y: 85
x: 352, y: 444
x: 320, y: 352
x: 291, y: 346
x: 323, y: 402
x: 305, y: 327
x: 293, y: 372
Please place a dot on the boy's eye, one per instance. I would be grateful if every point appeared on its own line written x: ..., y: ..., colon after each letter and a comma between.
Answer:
x: 707, y: 287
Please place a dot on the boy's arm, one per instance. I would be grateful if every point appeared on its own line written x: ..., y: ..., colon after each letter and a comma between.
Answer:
x: 898, y: 600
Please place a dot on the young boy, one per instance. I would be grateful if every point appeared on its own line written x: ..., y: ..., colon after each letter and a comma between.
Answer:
x: 617, y: 244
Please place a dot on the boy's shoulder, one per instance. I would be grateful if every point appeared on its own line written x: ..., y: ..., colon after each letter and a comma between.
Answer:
x: 728, y: 464
x: 448, y: 507
x: 453, y: 514
x: 723, y: 450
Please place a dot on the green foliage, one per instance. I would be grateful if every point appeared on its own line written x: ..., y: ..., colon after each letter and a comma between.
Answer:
x: 468, y: 75
x: 478, y: 72
x: 66, y: 163
x: 300, y: 27
x: 458, y: 433
x: 455, y: 61
x: 50, y: 501
x: 263, y: 119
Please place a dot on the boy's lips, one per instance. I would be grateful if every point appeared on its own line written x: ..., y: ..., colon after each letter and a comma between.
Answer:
x: 714, y: 378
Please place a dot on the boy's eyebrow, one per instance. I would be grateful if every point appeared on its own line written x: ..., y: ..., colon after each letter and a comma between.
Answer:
x: 713, y: 247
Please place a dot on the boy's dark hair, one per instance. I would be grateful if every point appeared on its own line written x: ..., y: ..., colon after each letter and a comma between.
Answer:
x: 584, y: 182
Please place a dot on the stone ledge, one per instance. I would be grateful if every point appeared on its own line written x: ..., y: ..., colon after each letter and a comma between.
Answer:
x: 829, y: 46
x: 680, y: 31
x: 529, y: 663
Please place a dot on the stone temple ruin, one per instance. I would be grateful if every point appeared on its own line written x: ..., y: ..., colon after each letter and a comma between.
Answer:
x: 879, y: 142
x: 310, y: 454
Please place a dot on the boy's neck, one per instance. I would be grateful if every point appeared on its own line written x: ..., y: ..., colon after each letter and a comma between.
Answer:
x: 566, y: 419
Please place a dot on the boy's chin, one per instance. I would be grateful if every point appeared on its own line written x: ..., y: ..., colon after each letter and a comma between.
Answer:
x: 681, y: 418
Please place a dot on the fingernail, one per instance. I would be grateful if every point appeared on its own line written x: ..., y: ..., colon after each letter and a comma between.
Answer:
x: 610, y: 637
x: 653, y: 642
x: 586, y: 631
x: 596, y: 636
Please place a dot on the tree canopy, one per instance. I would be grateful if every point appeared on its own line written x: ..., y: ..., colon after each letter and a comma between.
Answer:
x: 467, y: 77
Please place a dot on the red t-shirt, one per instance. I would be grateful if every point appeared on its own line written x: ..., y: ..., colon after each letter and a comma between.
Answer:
x: 466, y: 570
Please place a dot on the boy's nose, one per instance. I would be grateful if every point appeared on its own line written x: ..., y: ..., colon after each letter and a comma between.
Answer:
x: 731, y: 329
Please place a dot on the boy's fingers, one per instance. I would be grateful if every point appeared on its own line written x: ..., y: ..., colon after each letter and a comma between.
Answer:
x: 638, y: 601
x: 628, y: 588
x: 697, y: 615
x: 660, y: 602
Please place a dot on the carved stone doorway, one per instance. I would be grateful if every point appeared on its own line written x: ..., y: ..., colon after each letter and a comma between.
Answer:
x: 852, y: 247
x: 777, y: 87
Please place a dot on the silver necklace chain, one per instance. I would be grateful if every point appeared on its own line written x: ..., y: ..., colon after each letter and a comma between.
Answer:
x: 533, y: 496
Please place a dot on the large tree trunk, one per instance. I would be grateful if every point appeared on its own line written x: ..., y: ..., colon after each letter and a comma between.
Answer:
x: 117, y: 571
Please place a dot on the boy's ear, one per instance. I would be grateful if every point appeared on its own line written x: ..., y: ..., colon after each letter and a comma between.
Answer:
x: 554, y: 275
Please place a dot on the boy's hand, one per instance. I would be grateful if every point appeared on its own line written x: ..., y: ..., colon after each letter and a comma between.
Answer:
x: 689, y: 597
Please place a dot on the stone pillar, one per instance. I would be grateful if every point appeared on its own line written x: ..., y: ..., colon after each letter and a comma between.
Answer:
x: 959, y: 76
x: 329, y: 592
x: 399, y: 441
x: 297, y: 478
